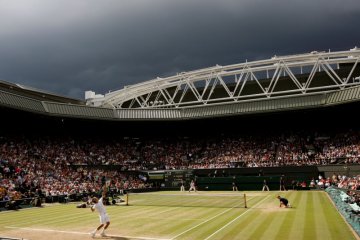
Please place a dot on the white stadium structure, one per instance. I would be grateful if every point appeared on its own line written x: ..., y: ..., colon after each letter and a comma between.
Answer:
x: 302, y: 81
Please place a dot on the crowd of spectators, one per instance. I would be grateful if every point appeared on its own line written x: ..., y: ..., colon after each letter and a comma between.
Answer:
x: 258, y: 151
x: 63, y: 166
x: 338, y: 180
x: 186, y: 153
x: 29, y: 172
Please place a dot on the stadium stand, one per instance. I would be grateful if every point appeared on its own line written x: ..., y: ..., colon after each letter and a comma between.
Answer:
x: 58, y: 168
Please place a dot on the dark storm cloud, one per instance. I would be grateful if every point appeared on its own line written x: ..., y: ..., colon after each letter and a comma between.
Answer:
x: 68, y: 47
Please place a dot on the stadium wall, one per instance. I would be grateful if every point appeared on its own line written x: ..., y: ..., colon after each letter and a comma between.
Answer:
x: 344, y: 169
x: 249, y: 178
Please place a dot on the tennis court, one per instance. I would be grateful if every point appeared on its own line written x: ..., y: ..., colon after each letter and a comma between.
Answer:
x: 196, y: 215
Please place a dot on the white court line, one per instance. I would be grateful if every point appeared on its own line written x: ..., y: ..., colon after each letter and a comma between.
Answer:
x: 12, y: 238
x: 205, y: 221
x: 235, y: 219
x: 47, y: 230
x: 81, y: 233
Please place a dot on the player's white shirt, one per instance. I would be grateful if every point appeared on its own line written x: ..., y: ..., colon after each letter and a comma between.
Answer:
x: 99, y: 206
x: 192, y: 186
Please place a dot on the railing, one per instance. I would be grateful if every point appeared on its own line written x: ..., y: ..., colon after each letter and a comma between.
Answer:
x: 341, y: 202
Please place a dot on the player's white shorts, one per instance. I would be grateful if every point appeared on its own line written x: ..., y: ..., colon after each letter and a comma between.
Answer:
x: 104, y: 218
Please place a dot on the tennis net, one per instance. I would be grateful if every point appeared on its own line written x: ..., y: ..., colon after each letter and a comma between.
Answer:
x: 216, y: 200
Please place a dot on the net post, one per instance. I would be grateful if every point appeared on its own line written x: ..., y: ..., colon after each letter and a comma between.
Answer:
x: 245, y: 200
x: 127, y: 199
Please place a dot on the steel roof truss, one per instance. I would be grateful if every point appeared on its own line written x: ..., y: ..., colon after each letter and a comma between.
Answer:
x: 257, y: 81
x: 221, y: 80
x: 207, y: 84
x: 326, y: 67
x: 243, y: 83
x: 292, y: 76
x: 274, y: 80
x: 137, y: 100
x: 131, y: 103
x: 276, y: 74
x: 167, y: 96
x: 194, y: 91
x: 311, y: 75
x: 144, y: 103
x: 146, y: 100
x: 212, y: 89
x: 238, y: 81
x: 157, y: 101
x: 204, y: 83
x: 178, y: 87
x: 183, y: 94
x: 351, y: 72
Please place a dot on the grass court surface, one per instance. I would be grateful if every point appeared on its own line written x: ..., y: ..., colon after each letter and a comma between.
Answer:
x: 313, y: 216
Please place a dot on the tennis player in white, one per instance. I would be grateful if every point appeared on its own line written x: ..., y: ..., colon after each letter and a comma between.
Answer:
x: 100, y: 208
x: 192, y: 186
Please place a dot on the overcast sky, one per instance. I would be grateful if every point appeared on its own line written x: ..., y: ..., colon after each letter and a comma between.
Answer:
x: 70, y: 46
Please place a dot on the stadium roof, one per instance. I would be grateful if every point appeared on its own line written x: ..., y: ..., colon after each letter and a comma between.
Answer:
x: 35, y: 93
x: 279, y: 76
x: 312, y: 80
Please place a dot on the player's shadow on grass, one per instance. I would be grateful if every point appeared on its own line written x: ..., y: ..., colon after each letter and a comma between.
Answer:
x: 117, y: 238
x: 112, y: 237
